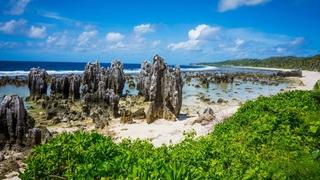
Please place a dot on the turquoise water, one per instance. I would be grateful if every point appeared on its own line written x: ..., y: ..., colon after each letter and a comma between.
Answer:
x: 241, y: 92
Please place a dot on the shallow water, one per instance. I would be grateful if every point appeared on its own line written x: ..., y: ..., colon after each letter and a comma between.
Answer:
x: 227, y: 91
x: 240, y: 91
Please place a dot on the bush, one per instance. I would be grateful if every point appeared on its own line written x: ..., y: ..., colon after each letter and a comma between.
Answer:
x: 272, y: 137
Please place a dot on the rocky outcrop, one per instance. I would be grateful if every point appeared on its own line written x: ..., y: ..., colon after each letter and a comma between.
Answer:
x: 34, y: 137
x: 139, y: 114
x: 67, y: 85
x: 126, y: 116
x: 104, y: 97
x: 144, y: 80
x: 162, y: 86
x: 37, y: 83
x: 16, y: 80
x: 116, y: 79
x: 292, y: 73
x: 14, y: 121
x: 61, y: 110
x: 206, y: 117
x: 103, y: 86
x: 113, y: 77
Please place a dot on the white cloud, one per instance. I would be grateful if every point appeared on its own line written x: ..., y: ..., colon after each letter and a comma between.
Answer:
x: 187, y: 45
x: 87, y: 40
x: 37, y: 32
x: 143, y: 29
x: 114, y: 37
x: 58, y: 40
x: 18, y: 7
x: 86, y: 36
x: 201, y: 33
x: 280, y: 50
x: 226, y: 5
x: 239, y: 42
x: 12, y: 26
x: 57, y: 16
x: 118, y: 45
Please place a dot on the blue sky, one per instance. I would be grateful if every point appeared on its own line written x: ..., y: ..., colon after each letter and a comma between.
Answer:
x: 134, y: 30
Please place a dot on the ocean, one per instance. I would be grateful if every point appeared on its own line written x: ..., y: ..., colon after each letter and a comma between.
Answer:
x: 17, y: 68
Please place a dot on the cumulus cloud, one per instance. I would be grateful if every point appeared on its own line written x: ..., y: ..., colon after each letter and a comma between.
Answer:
x: 86, y: 39
x: 18, y: 7
x: 187, y: 45
x: 58, y: 40
x: 12, y: 26
x: 226, y: 5
x: 114, y: 37
x: 201, y: 33
x: 143, y: 29
x: 86, y: 36
x: 37, y: 32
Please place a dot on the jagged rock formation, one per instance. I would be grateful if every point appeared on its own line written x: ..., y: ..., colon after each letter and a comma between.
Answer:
x: 67, y: 85
x: 126, y: 116
x: 103, y: 86
x: 292, y: 73
x: 58, y: 110
x: 104, y: 97
x: 14, y: 121
x: 139, y: 114
x: 37, y: 82
x: 113, y: 77
x: 34, y: 137
x: 116, y: 78
x: 206, y: 117
x: 161, y: 85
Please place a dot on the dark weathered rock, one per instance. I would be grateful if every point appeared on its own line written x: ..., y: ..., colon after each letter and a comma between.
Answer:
x: 144, y: 79
x: 104, y: 97
x: 116, y: 78
x: 102, y: 87
x: 1, y: 157
x: 13, y: 80
x: 292, y: 73
x: 67, y: 85
x: 34, y: 137
x: 113, y: 77
x: 139, y: 114
x: 37, y: 82
x: 14, y: 121
x: 161, y: 85
x: 126, y: 116
x: 206, y: 117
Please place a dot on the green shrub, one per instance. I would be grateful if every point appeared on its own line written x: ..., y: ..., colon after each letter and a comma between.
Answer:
x: 270, y: 138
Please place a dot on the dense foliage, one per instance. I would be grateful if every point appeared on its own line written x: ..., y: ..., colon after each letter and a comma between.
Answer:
x: 287, y: 62
x: 272, y: 137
